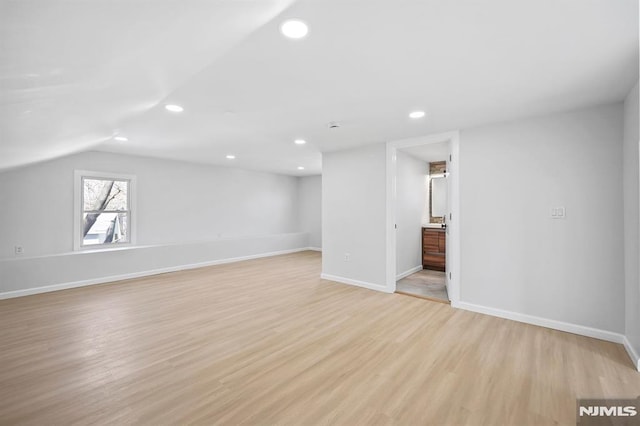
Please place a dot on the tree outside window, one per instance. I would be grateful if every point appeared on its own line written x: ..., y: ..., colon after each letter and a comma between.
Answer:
x: 105, y: 204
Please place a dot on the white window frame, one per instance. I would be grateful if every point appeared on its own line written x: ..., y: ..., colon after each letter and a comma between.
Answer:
x: 78, y: 206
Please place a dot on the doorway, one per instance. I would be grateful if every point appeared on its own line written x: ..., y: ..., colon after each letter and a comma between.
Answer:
x: 423, y: 234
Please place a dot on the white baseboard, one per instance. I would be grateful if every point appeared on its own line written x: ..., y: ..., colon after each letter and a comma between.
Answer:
x: 357, y: 283
x: 409, y: 272
x: 632, y: 353
x: 112, y: 278
x: 581, y: 330
x: 313, y: 248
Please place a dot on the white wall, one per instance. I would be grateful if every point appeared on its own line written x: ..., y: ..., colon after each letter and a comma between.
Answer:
x: 354, y: 214
x: 514, y: 257
x: 410, y: 203
x: 631, y: 235
x: 176, y: 202
x: 30, y: 275
x: 310, y: 208
x: 213, y: 212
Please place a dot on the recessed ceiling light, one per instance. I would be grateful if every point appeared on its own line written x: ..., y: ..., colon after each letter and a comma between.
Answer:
x: 299, y: 141
x: 417, y: 114
x: 231, y: 157
x: 121, y: 138
x: 300, y: 168
x: 294, y: 28
x: 173, y: 108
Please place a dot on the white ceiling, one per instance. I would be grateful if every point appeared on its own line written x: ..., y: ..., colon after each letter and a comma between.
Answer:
x: 430, y: 152
x: 74, y: 73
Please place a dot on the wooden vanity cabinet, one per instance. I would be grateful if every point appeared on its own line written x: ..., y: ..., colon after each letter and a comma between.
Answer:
x: 434, y: 249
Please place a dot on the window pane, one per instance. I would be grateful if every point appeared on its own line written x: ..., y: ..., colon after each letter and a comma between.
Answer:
x: 103, y: 194
x: 105, y: 228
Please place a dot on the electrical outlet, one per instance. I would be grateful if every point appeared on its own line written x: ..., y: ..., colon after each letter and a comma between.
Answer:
x: 347, y: 257
x: 558, y: 213
x: 19, y: 250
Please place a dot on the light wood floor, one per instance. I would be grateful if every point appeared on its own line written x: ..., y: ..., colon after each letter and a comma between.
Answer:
x: 266, y: 341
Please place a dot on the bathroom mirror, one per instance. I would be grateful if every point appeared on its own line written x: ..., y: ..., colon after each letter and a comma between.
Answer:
x: 438, y: 196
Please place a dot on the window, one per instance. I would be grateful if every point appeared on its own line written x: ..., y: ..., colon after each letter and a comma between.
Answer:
x: 104, y: 210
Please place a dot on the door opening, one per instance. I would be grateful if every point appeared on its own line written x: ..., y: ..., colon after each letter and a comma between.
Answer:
x: 422, y: 206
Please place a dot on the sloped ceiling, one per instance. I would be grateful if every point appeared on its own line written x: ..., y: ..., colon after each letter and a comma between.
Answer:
x: 75, y: 73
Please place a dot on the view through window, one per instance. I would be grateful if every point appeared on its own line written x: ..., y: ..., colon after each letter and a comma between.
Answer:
x: 105, y: 211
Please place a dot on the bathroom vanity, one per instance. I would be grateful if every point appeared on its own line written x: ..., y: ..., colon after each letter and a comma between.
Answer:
x: 434, y: 248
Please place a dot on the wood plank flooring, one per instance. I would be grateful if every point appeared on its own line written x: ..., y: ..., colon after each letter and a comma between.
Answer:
x: 267, y: 341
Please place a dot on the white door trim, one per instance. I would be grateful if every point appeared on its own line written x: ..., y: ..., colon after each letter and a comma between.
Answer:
x: 453, y: 250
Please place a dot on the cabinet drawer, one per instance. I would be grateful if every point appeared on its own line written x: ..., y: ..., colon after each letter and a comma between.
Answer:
x: 430, y: 239
x: 433, y: 261
x: 431, y: 245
